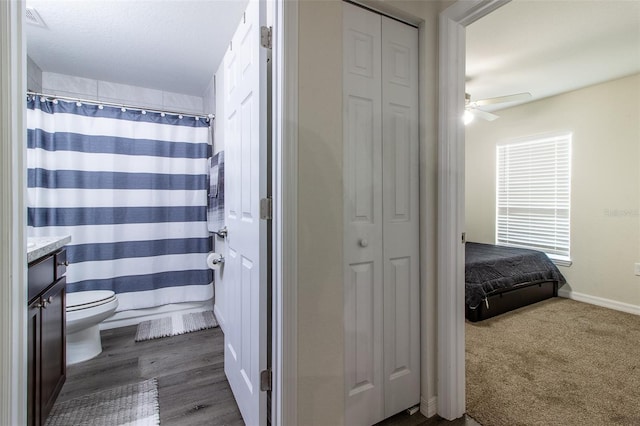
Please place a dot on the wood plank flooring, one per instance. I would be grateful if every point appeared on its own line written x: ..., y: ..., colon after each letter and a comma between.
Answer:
x: 192, y: 387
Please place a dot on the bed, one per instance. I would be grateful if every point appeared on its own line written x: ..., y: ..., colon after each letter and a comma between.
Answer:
x: 499, y: 279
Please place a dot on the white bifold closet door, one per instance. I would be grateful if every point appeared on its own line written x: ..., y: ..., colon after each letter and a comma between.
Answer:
x: 381, y: 216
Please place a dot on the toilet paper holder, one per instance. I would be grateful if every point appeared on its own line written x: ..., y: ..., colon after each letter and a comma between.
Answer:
x: 215, y: 261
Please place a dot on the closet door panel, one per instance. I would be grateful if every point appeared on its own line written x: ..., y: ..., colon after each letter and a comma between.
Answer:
x: 400, y: 169
x: 362, y: 165
x: 363, y: 161
x: 361, y: 347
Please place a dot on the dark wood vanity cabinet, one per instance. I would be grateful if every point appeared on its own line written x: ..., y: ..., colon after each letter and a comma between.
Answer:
x: 47, y: 343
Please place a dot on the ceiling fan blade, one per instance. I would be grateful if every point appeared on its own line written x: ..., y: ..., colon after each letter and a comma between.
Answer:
x: 483, y: 114
x: 501, y: 99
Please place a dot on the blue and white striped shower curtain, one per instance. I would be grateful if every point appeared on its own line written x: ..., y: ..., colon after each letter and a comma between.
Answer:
x: 131, y: 190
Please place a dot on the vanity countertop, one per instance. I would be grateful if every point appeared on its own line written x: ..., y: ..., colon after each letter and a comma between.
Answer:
x: 38, y: 247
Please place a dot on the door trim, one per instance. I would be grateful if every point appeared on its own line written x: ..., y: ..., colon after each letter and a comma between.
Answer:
x: 451, y: 220
x: 13, y: 212
x: 13, y: 262
x: 285, y: 218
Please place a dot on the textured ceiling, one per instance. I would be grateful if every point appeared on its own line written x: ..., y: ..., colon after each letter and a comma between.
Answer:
x: 550, y: 47
x: 172, y: 45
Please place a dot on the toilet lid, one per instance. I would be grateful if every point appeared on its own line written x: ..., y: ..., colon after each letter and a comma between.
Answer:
x: 88, y: 299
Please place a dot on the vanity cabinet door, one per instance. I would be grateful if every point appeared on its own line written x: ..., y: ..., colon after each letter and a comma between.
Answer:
x: 33, y: 354
x: 53, y: 357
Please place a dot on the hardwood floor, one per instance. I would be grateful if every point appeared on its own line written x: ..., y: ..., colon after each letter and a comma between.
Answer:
x: 192, y: 387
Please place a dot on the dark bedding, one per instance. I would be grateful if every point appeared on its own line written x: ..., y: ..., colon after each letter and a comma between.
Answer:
x: 490, y: 269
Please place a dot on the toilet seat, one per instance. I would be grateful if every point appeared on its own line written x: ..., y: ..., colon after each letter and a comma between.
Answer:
x: 88, y: 299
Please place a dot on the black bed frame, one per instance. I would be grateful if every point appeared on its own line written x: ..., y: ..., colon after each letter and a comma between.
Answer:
x: 513, y: 298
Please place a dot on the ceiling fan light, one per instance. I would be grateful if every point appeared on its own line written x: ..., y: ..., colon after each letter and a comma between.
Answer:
x: 467, y: 117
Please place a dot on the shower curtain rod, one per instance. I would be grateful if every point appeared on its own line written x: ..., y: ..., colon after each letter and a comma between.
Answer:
x: 135, y: 107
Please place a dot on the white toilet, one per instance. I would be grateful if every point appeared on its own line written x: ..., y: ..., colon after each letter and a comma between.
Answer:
x: 85, y: 311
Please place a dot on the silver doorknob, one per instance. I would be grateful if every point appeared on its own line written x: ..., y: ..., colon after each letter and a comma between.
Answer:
x: 363, y: 242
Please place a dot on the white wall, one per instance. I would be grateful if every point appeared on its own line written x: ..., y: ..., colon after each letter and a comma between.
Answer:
x: 34, y: 76
x: 320, y: 204
x: 605, y: 187
x: 214, y: 103
x: 86, y: 88
x: 209, y: 95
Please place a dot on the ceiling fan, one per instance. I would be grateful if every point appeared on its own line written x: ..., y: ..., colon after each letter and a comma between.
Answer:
x: 472, y: 108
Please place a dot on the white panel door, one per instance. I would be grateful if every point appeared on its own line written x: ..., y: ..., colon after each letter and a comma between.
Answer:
x: 381, y: 216
x: 362, y: 136
x: 246, y: 183
x: 400, y: 167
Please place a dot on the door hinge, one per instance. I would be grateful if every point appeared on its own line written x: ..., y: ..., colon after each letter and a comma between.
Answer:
x: 266, y: 208
x: 265, y: 380
x: 266, y: 37
x: 464, y: 238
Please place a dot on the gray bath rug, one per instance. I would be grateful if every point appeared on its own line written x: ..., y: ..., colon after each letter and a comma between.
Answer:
x: 133, y: 404
x: 175, y: 324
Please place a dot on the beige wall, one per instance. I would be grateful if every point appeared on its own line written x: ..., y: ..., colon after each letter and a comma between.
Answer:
x: 605, y: 187
x: 320, y: 199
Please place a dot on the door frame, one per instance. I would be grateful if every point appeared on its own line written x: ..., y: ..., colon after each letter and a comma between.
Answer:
x: 451, y: 209
x: 285, y: 213
x: 13, y: 269
x: 13, y: 262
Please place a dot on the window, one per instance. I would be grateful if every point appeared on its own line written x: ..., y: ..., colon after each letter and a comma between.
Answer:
x: 533, y: 195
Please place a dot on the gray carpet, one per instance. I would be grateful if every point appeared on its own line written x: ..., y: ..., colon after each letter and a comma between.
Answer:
x: 558, y: 362
x: 175, y: 325
x: 133, y: 404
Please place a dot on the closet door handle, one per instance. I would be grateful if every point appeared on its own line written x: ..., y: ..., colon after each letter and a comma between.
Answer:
x: 363, y: 242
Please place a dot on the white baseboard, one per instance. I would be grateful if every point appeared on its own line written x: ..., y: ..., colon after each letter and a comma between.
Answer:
x: 222, y: 322
x: 428, y: 407
x: 136, y: 316
x: 600, y: 301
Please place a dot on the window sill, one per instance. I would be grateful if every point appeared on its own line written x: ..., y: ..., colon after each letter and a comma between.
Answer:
x: 562, y: 262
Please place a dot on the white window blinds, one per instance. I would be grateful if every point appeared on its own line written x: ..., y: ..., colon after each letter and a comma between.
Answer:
x: 533, y: 195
